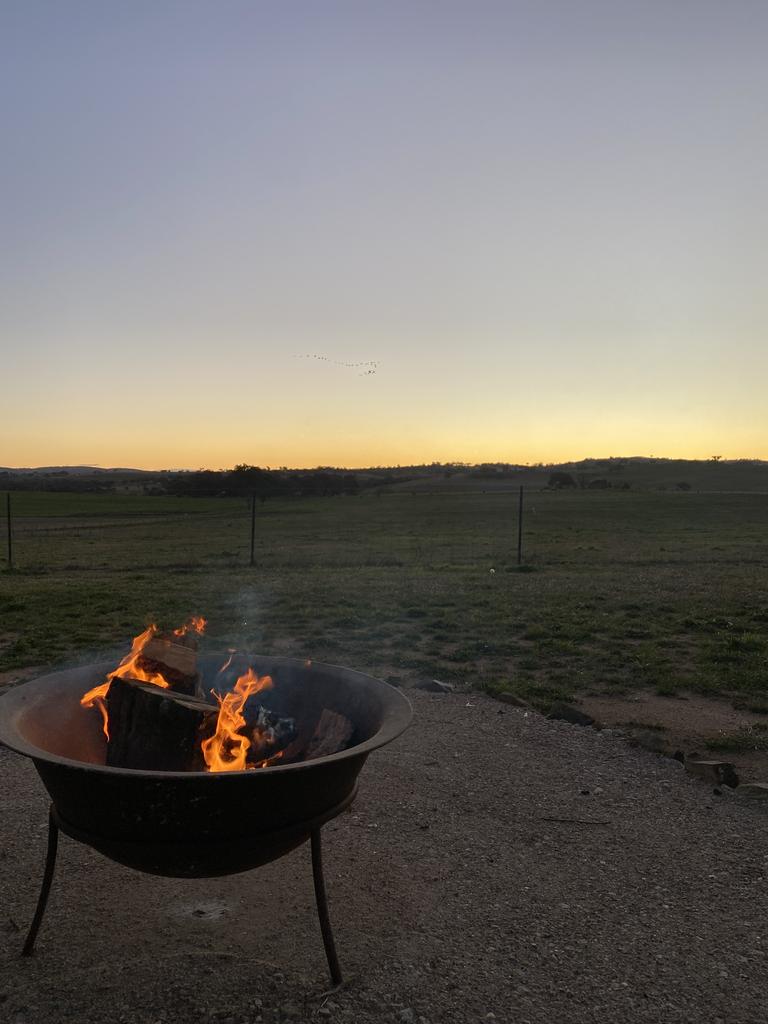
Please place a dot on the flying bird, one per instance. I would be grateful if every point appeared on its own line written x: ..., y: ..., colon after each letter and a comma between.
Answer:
x: 365, y: 367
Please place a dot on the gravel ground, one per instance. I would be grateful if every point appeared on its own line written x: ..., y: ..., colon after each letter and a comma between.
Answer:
x: 454, y: 894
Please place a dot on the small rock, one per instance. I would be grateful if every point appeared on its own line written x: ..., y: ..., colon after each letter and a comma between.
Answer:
x: 716, y: 772
x: 407, y: 1015
x: 433, y: 686
x: 562, y: 712
x: 754, y: 790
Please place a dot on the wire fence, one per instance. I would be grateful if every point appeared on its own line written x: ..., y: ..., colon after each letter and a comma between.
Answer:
x: 512, y: 529
x: 245, y: 533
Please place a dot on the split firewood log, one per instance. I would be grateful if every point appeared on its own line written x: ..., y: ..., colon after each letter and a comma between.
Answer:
x: 174, y: 657
x: 332, y: 734
x: 156, y: 729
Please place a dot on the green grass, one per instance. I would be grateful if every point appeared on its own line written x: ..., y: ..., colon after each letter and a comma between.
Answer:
x: 740, y: 741
x: 629, y: 590
x: 44, y: 503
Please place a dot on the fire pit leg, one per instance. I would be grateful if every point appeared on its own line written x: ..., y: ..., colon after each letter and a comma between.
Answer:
x: 322, y: 909
x: 50, y: 864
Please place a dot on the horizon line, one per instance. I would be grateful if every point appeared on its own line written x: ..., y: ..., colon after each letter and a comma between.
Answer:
x: 722, y: 459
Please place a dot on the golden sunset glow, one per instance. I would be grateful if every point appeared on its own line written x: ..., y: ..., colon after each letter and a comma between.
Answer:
x: 472, y: 432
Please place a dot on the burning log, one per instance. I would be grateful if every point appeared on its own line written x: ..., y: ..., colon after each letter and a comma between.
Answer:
x: 156, y: 729
x: 173, y: 656
x: 155, y: 717
x: 270, y: 734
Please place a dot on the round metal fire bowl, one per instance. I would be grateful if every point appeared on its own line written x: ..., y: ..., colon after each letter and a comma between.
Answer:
x: 204, y: 858
x: 198, y: 824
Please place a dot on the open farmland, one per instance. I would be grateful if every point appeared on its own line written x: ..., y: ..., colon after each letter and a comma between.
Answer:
x: 617, y: 590
x: 620, y: 591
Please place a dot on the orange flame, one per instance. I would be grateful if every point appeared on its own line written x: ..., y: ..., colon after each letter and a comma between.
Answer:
x: 226, y: 750
x: 196, y: 624
x: 95, y: 699
x: 129, y: 668
x: 227, y: 663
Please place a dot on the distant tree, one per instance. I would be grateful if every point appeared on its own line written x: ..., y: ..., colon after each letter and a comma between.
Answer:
x: 558, y: 480
x: 244, y: 480
x: 205, y: 483
x: 716, y: 458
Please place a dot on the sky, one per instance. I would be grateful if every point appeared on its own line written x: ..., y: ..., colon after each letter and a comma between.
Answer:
x: 543, y: 224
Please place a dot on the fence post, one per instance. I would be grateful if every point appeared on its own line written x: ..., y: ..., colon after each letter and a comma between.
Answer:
x: 520, y: 528
x: 8, y: 526
x: 253, y: 524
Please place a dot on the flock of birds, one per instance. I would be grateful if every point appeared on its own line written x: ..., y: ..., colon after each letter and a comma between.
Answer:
x: 364, y: 369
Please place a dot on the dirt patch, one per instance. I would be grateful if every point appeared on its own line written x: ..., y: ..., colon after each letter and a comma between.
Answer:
x: 19, y: 675
x: 685, y: 722
x: 495, y: 867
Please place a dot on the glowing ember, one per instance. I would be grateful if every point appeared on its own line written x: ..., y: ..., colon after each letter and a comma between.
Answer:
x: 130, y: 668
x: 226, y: 750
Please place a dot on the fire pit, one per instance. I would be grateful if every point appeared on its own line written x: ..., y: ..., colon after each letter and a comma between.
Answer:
x: 196, y: 824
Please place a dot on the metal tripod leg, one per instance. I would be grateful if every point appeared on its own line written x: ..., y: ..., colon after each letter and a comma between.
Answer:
x: 50, y: 864
x: 322, y: 909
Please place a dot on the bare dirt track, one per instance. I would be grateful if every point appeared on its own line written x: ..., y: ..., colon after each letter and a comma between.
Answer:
x: 496, y: 866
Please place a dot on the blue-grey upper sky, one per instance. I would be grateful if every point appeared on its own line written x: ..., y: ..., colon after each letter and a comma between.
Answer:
x: 545, y: 220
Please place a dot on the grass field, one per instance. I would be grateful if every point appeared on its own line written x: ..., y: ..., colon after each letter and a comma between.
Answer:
x: 619, y: 590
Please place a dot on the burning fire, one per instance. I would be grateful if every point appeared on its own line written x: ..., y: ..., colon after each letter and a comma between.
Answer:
x: 129, y: 668
x: 234, y: 737
x: 226, y: 750
x: 196, y: 624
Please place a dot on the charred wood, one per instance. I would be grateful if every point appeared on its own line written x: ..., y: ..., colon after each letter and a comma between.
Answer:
x: 269, y: 733
x: 156, y: 729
